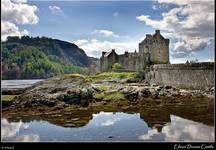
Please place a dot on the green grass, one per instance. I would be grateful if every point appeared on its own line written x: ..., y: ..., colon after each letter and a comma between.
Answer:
x: 98, y: 96
x: 114, y: 96
x: 7, y: 97
x: 74, y: 76
x: 116, y: 75
x: 104, y: 75
x: 108, y: 97
x: 104, y: 87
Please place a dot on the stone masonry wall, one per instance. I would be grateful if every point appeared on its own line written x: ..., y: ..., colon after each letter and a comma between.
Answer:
x: 188, y: 76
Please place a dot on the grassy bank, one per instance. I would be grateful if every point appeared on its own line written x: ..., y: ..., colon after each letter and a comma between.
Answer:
x: 108, y: 97
x: 105, y: 75
x: 7, y: 97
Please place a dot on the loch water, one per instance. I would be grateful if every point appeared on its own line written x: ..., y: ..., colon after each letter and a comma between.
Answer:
x: 154, y: 125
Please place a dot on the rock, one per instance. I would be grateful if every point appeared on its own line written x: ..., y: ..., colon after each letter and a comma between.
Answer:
x: 184, y: 92
x: 154, y: 85
x: 75, y: 119
x: 111, y: 91
x: 145, y: 92
x: 56, y: 115
x: 110, y: 81
x: 14, y: 91
x: 152, y: 90
x: 69, y: 125
x: 6, y: 103
x: 167, y: 87
x: 130, y: 93
x: 158, y: 88
x: 155, y: 96
x: 119, y: 104
x: 56, y: 90
x: 212, y: 90
x: 77, y: 96
x: 72, y: 98
x: 130, y: 80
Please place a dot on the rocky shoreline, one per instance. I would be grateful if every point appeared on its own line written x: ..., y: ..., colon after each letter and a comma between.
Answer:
x: 55, y: 99
x: 77, y: 91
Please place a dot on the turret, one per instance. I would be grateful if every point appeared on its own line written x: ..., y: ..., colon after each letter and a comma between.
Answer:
x: 148, y: 36
x: 157, y: 31
x: 103, y: 53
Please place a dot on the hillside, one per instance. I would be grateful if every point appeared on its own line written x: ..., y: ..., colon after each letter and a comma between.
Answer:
x: 31, y: 58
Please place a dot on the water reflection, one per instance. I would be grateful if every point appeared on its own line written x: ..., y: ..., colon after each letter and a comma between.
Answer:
x: 108, y: 126
x: 10, y: 131
x: 8, y: 84
x: 180, y: 129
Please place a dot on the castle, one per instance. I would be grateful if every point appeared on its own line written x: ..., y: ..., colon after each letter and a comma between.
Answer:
x: 154, y: 49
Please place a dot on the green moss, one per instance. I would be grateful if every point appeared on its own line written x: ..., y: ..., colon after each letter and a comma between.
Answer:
x: 98, y: 96
x: 7, y: 97
x: 114, y: 96
x: 104, y: 87
x: 115, y: 75
x: 74, y: 76
x: 108, y: 97
x: 104, y: 75
x: 116, y: 66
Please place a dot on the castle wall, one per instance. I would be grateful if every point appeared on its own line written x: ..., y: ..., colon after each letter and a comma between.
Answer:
x: 103, y: 63
x: 160, y: 52
x: 189, y: 76
x: 129, y: 61
x: 113, y: 58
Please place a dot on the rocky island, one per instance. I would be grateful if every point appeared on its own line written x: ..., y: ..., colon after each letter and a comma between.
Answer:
x: 71, y: 99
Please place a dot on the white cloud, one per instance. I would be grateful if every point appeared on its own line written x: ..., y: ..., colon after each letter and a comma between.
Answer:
x: 209, y: 60
x: 16, y: 12
x: 107, y: 33
x: 9, y: 129
x: 56, y: 10
x: 81, y: 42
x: 181, y: 130
x: 154, y: 7
x: 108, y: 122
x: 19, y: 13
x: 27, y: 138
x: 191, y: 29
x: 95, y: 47
x: 10, y: 29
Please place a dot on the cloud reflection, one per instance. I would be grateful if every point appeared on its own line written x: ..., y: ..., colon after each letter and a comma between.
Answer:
x: 9, y: 132
x: 180, y: 130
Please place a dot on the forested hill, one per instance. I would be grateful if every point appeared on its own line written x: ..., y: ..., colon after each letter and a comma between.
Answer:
x: 31, y: 58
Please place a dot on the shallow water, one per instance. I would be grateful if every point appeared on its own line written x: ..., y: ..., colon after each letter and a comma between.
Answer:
x: 8, y: 84
x: 109, y: 126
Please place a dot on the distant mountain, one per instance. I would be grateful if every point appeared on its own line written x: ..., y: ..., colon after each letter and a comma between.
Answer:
x: 30, y: 58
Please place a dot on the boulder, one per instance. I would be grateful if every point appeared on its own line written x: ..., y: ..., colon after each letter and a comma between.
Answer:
x: 130, y: 93
x: 77, y: 96
x: 145, y: 92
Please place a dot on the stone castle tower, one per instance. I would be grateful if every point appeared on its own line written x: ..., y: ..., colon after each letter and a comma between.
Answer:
x: 154, y: 49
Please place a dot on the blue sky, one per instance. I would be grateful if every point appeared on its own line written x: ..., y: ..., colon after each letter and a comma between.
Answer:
x: 82, y: 18
x: 97, y: 25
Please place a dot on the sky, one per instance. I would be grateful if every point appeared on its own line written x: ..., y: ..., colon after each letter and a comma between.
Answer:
x: 97, y: 26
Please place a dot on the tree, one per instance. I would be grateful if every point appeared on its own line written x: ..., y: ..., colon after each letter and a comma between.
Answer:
x: 116, y: 66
